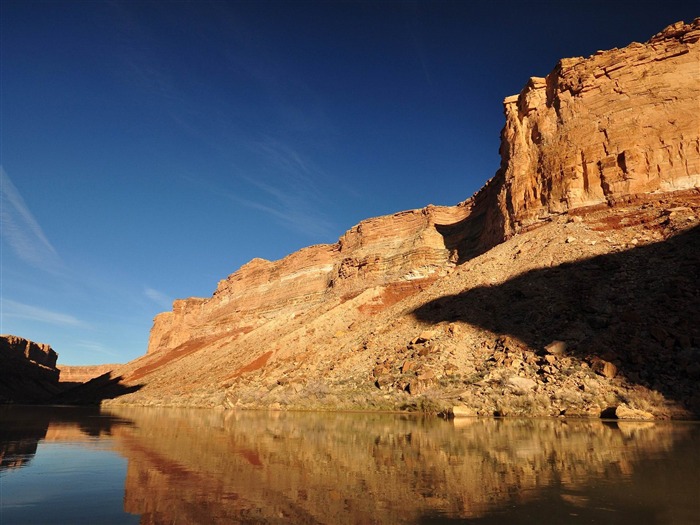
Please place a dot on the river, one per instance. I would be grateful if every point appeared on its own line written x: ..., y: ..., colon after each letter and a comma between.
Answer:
x: 62, y: 465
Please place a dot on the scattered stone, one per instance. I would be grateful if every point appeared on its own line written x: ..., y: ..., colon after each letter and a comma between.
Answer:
x: 428, y: 349
x: 380, y: 370
x: 623, y: 411
x: 521, y: 384
x: 463, y: 411
x: 418, y: 386
x: 556, y: 348
x: 425, y: 336
x: 604, y: 368
x: 408, y: 366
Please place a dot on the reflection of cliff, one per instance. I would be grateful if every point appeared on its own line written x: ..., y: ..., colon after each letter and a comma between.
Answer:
x: 226, y: 467
x: 22, y: 428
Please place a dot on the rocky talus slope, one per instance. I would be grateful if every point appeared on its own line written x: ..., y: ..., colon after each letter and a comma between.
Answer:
x: 568, y: 285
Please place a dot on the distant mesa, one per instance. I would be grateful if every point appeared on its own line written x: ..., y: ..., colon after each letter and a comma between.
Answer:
x: 83, y: 374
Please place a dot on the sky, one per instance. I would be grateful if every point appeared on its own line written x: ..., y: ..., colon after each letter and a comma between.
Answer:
x: 149, y: 149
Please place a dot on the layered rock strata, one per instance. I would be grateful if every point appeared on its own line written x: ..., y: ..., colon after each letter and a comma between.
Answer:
x: 601, y: 156
x: 399, y: 251
x: 594, y: 130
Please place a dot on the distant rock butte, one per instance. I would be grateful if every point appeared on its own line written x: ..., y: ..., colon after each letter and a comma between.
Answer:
x: 82, y: 374
x: 610, y: 142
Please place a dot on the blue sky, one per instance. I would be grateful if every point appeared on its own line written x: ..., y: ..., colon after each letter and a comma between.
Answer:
x: 149, y: 149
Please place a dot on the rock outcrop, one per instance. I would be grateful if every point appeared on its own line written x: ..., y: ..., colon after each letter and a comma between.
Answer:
x: 28, y: 372
x: 619, y: 123
x: 600, y: 169
x: 398, y: 252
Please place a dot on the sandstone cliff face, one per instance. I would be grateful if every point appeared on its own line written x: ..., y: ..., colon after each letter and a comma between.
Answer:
x: 619, y: 123
x: 28, y: 370
x: 601, y: 156
x: 38, y: 353
x: 400, y: 250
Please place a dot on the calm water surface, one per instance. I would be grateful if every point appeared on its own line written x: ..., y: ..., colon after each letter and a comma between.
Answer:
x: 120, y: 466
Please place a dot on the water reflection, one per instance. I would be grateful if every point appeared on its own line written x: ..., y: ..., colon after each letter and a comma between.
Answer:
x: 206, y: 466
x: 22, y: 428
x: 222, y: 467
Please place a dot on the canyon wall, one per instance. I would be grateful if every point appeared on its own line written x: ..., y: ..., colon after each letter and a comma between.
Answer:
x: 515, y: 301
x: 39, y: 354
x: 619, y: 123
x: 595, y: 131
x: 83, y: 374
x: 400, y: 250
x: 28, y: 370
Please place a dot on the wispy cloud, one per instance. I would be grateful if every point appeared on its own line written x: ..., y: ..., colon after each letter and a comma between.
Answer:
x: 291, y: 217
x: 95, y: 347
x: 288, y: 184
x: 288, y: 160
x: 22, y: 231
x: 17, y: 310
x: 161, y: 299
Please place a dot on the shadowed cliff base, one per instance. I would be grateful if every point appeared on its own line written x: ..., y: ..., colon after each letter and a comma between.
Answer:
x: 630, y: 316
x: 95, y: 391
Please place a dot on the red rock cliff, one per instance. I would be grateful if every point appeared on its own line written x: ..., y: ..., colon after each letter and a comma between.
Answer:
x: 596, y: 136
x: 621, y: 122
x: 401, y: 250
x: 595, y: 130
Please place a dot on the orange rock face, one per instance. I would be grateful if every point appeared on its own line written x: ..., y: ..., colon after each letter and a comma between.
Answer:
x: 406, y: 248
x: 39, y: 353
x: 601, y: 156
x: 83, y: 374
x: 619, y: 123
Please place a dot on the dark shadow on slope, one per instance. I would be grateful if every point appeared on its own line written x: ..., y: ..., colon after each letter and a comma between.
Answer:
x: 95, y: 391
x: 639, y: 309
